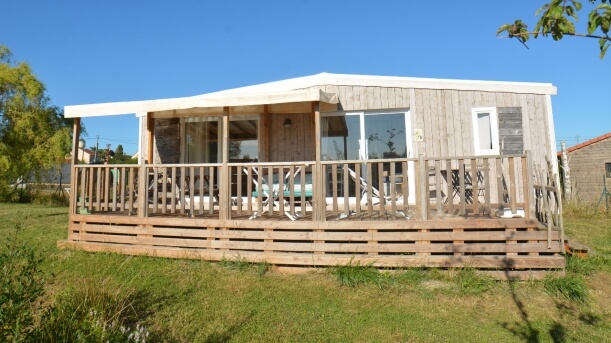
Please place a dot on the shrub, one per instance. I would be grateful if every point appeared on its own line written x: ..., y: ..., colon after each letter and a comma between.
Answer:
x: 94, y: 311
x: 22, y: 284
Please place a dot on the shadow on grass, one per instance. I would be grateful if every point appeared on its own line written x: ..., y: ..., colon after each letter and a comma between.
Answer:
x: 226, y: 335
x: 523, y: 329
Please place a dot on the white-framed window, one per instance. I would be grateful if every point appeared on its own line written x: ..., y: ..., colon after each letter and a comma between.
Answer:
x: 485, y: 131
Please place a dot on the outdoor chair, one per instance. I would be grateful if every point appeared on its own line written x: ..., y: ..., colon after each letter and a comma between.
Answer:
x: 271, y: 193
x: 376, y: 198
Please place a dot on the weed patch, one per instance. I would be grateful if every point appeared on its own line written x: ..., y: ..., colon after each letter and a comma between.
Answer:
x: 572, y: 287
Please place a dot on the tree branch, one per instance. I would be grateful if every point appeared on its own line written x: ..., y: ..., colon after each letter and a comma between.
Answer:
x: 606, y: 37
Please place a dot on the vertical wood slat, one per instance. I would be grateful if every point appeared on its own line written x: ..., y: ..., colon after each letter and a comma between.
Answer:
x: 122, y: 188
x: 155, y: 189
x: 393, y: 189
x: 90, y: 188
x: 437, y: 166
x: 512, y: 184
x: 357, y: 186
x: 238, y: 172
x: 302, y: 176
x: 500, y: 179
x: 181, y: 184
x: 164, y: 190
x: 280, y: 191
x: 525, y: 182
x: 131, y: 190
x: 82, y: 188
x: 173, y: 191
x: 529, y: 182
x: 291, y: 187
x: 270, y: 190
x: 249, y: 190
x: 404, y: 186
x: 450, y: 189
x: 475, y: 186
x: 369, y: 195
x: 98, y: 187
x: 461, y: 177
x: 106, y: 188
x: 192, y: 191
x: 334, y: 186
x: 346, y: 187
x: 486, y: 171
x: 201, y: 173
x: 323, y: 196
x: 211, y: 182
x: 115, y: 181
x: 421, y: 182
x: 382, y: 204
x: 260, y: 189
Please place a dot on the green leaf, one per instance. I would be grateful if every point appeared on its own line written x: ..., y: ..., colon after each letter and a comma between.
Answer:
x: 603, y: 50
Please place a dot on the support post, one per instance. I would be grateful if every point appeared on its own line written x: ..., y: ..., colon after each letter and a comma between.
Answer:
x: 422, y: 181
x: 531, y: 210
x: 225, y: 197
x: 142, y: 173
x: 319, y: 203
x: 73, y: 174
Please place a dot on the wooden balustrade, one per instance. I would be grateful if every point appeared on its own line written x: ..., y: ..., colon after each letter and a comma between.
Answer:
x: 367, y: 190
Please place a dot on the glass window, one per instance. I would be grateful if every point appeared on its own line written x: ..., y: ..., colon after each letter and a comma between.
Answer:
x: 608, y: 170
x: 340, y: 138
x: 485, y: 131
x: 202, y: 141
x: 385, y: 135
x: 243, y: 140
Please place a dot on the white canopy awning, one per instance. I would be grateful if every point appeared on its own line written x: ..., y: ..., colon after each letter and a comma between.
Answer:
x: 201, y: 101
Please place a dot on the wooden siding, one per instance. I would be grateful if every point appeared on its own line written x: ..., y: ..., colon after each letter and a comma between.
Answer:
x: 294, y: 143
x: 588, y: 169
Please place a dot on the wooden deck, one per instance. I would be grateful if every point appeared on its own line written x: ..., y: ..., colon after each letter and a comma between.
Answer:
x: 311, y: 218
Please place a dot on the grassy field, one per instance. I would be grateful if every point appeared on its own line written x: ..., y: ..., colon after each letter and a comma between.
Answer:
x: 198, y: 301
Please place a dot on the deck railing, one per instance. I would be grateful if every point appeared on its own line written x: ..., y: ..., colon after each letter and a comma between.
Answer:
x: 422, y: 188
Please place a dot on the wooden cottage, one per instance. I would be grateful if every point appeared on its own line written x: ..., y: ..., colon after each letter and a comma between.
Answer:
x: 590, y: 170
x: 333, y: 169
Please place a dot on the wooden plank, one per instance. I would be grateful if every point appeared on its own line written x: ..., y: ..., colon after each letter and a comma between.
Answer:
x: 131, y: 190
x: 461, y: 177
x: 474, y: 186
x: 192, y: 191
x: 249, y: 189
x: 450, y: 188
x: 212, y: 181
x: 174, y: 180
x: 515, y: 262
x: 486, y: 172
x: 512, y: 185
x: 122, y: 189
x: 201, y: 173
x: 346, y: 186
x: 393, y: 189
x: 438, y: 186
x: 369, y: 189
x: 98, y: 187
x: 225, y: 180
x: 357, y: 186
x: 382, y: 203
x: 106, y: 187
x: 164, y: 190
x: 74, y: 161
x: 334, y: 187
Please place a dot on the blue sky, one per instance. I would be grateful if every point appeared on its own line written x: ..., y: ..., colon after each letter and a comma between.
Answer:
x: 107, y: 51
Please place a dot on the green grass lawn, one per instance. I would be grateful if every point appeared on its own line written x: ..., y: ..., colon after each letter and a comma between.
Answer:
x: 198, y: 301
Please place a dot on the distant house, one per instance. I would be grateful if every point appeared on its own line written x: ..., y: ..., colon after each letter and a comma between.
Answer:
x: 86, y: 155
x: 590, y: 164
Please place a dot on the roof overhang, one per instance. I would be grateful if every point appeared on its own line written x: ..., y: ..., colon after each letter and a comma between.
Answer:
x: 300, y: 89
x: 202, y: 101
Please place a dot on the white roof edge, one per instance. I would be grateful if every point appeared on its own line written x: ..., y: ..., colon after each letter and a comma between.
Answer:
x: 299, y: 89
x: 140, y: 107
x: 395, y: 81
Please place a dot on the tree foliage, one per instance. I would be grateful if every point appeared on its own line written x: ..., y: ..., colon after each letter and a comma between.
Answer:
x: 558, y: 17
x: 34, y: 135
